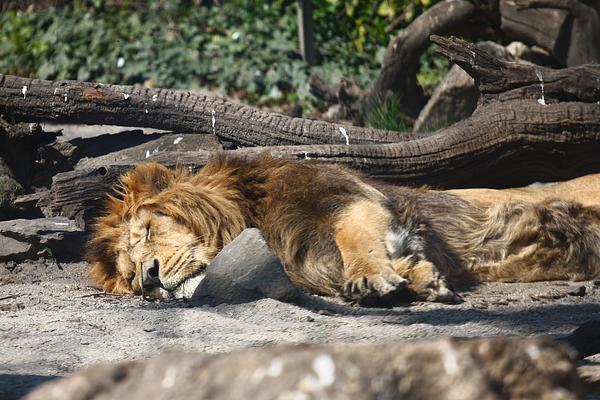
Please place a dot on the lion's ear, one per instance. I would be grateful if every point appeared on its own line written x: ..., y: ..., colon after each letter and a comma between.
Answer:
x: 147, y: 180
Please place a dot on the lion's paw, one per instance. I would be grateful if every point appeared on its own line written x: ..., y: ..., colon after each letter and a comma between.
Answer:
x: 375, y: 286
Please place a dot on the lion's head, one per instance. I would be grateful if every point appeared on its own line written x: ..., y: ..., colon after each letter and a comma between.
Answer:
x: 163, y: 228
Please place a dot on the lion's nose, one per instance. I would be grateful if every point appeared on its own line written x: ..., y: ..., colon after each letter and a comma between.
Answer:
x: 150, y: 271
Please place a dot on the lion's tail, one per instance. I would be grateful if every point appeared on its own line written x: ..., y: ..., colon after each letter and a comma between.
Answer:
x: 552, y: 239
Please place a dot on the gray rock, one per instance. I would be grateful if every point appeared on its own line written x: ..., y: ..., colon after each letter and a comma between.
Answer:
x: 496, y: 368
x: 31, y: 239
x: 585, y: 340
x: 576, y: 290
x: 245, y: 270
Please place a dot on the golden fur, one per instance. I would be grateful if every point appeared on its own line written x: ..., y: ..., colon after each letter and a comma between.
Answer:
x: 337, y: 234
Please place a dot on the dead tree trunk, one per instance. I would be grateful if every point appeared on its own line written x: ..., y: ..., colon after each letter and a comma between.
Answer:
x: 33, y: 100
x: 569, y: 30
x: 516, y: 136
x: 501, y: 81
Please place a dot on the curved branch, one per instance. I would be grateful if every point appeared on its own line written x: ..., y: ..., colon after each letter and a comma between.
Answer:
x: 401, y: 60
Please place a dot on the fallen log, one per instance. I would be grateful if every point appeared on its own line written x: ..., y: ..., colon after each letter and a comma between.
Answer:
x: 34, y: 100
x: 501, y: 81
x: 512, y: 139
x: 460, y: 156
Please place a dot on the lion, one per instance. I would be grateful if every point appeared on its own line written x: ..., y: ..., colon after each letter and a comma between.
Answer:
x: 339, y: 234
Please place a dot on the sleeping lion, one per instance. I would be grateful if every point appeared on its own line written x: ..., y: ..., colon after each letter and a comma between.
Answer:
x: 339, y: 235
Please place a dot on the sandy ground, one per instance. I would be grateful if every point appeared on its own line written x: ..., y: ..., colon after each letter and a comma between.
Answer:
x: 52, y: 322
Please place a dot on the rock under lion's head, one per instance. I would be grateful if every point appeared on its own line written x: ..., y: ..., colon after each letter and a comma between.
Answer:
x: 161, y: 230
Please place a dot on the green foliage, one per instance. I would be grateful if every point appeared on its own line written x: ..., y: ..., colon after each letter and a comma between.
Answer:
x: 48, y: 252
x: 433, y: 68
x: 383, y: 113
x: 244, y: 47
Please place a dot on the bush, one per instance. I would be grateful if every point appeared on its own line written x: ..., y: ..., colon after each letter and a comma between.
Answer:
x: 244, y: 48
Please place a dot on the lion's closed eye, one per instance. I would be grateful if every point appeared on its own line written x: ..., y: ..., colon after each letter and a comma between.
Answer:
x: 140, y: 236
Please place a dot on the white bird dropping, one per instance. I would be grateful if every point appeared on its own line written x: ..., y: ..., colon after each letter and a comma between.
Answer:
x: 345, y: 135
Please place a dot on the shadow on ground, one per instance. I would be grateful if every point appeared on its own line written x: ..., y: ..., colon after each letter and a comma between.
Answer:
x: 13, y: 387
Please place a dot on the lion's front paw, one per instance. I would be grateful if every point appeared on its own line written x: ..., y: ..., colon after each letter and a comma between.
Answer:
x: 381, y: 286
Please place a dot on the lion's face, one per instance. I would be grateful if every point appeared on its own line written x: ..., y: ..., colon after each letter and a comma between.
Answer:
x: 163, y: 254
x: 161, y: 231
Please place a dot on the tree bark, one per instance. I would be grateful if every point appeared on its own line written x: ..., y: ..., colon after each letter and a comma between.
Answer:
x: 502, y: 81
x: 33, y: 100
x: 512, y: 139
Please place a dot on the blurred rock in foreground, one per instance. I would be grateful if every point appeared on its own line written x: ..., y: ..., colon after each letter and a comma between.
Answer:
x: 493, y: 368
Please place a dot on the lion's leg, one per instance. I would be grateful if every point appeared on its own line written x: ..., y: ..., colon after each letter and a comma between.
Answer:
x: 360, y: 236
x: 426, y: 282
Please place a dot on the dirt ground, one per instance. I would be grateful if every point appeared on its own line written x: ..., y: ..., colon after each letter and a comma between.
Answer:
x: 52, y: 322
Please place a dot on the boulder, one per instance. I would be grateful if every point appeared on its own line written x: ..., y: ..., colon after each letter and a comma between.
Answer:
x: 576, y: 290
x: 31, y: 239
x: 492, y: 368
x: 245, y: 270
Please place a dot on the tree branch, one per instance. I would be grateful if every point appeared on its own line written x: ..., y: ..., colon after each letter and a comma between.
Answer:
x: 32, y: 100
x: 500, y: 80
x: 398, y: 73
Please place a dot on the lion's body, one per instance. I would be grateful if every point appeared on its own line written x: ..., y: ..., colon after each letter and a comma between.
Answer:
x: 335, y: 233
